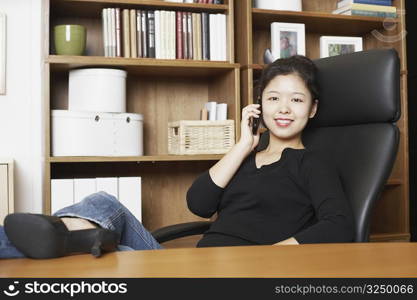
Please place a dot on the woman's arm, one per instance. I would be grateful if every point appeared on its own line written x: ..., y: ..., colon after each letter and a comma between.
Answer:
x: 334, y: 217
x: 204, y: 195
x: 224, y: 169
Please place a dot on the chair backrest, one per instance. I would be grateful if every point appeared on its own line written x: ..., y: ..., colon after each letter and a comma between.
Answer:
x: 354, y: 128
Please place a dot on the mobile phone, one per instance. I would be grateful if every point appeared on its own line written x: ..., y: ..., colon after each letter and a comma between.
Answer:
x: 257, y: 121
x: 255, y: 124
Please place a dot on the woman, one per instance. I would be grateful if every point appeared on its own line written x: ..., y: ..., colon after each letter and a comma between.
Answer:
x: 281, y: 195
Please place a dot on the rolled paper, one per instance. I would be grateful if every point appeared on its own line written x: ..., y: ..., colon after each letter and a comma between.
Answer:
x: 221, y: 112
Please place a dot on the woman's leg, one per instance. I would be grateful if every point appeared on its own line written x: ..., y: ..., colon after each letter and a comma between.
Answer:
x: 106, y: 211
x: 7, y: 250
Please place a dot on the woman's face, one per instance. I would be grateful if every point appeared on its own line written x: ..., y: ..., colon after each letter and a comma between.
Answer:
x: 286, y: 106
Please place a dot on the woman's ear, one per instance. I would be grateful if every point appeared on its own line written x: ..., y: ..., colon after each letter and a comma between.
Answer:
x: 314, y: 108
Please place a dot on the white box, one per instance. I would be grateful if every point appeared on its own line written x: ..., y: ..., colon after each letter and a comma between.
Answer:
x: 96, y: 134
x: 83, y: 187
x: 293, y: 5
x: 97, y: 90
x: 62, y: 193
x: 130, y: 195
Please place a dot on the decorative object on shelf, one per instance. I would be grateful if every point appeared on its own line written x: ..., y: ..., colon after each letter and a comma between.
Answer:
x: 70, y: 39
x: 216, y: 111
x: 370, y: 8
x: 294, y: 5
x: 200, y: 137
x: 338, y: 45
x: 268, y: 57
x: 97, y: 90
x: 287, y: 39
x: 76, y: 133
x: 2, y: 53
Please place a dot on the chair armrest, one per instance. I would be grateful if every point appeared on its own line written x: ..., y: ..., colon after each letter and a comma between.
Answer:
x: 176, y: 231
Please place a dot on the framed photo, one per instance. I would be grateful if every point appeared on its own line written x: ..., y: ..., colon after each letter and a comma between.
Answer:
x: 287, y: 39
x: 339, y: 45
x: 2, y: 53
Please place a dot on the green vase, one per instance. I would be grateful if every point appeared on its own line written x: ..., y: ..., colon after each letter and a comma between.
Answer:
x: 69, y: 39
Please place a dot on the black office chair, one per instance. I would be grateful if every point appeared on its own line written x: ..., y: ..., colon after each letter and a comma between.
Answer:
x: 354, y: 129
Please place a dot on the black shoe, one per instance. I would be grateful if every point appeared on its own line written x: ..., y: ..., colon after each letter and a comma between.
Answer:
x: 42, y: 236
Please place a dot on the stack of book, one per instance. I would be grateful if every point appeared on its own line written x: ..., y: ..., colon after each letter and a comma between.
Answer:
x: 373, y: 8
x: 197, y: 1
x: 164, y: 34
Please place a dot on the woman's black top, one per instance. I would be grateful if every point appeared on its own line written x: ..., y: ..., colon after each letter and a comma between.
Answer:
x: 297, y: 196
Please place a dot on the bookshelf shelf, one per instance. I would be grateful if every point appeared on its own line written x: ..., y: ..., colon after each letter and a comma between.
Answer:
x: 161, y: 90
x: 322, y: 22
x: 143, y: 66
x: 150, y: 158
x: 92, y: 8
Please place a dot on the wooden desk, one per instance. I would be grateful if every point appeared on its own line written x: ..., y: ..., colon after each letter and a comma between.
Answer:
x: 325, y: 260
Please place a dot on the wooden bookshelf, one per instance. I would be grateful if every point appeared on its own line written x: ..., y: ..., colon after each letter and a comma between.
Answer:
x: 161, y: 90
x: 390, y: 221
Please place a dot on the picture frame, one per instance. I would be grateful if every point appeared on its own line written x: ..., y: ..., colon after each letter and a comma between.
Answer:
x: 339, y: 45
x: 287, y: 39
x: 2, y: 53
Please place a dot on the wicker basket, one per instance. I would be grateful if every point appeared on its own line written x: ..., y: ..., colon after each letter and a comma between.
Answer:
x: 200, y: 137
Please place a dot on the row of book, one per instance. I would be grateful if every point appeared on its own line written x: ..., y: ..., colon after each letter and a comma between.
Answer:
x: 197, y: 1
x: 128, y: 190
x: 164, y: 34
x: 373, y: 8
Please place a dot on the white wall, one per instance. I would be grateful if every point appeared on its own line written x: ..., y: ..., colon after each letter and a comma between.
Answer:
x: 21, y: 109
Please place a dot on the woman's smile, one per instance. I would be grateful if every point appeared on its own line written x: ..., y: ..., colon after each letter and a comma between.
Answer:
x: 283, y: 122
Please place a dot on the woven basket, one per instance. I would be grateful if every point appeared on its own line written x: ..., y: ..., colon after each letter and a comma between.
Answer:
x: 200, y: 137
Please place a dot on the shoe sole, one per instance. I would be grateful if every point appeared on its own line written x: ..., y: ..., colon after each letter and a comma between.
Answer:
x: 35, y: 236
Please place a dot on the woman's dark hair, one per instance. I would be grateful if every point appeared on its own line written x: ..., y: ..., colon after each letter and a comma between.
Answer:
x: 297, y: 64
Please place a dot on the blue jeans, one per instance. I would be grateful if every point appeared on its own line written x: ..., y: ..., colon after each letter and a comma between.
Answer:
x: 106, y: 211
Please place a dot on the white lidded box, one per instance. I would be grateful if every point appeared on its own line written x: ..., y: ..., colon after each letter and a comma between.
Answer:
x: 294, y: 5
x: 97, y: 90
x: 77, y: 133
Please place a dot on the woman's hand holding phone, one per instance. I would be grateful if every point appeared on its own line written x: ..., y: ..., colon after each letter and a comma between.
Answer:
x: 250, y: 114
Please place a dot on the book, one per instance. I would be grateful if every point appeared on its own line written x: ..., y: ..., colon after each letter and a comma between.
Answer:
x: 159, y: 32
x: 342, y: 3
x: 130, y: 195
x: 144, y: 33
x: 139, y: 32
x: 113, y: 32
x: 184, y: 35
x: 83, y: 187
x: 359, y: 6
x: 133, y: 43
x: 194, y: 30
x: 190, y: 36
x: 223, y: 37
x: 108, y: 185
x: 171, y: 25
x: 369, y: 13
x: 109, y: 32
x: 197, y: 35
x: 118, y: 34
x: 214, y: 37
x: 179, y: 35
x: 126, y: 33
x: 105, y: 32
x: 205, y: 36
x: 151, y: 34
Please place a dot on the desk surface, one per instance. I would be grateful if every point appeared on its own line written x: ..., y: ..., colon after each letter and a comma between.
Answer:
x: 314, y: 260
